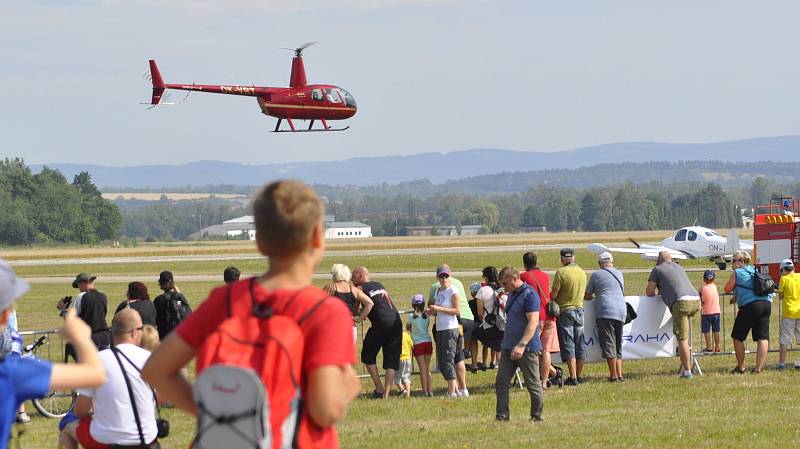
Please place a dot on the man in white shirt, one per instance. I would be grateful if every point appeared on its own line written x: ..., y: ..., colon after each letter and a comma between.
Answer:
x: 106, y: 414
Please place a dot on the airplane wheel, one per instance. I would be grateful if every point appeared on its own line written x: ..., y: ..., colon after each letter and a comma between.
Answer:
x: 722, y: 266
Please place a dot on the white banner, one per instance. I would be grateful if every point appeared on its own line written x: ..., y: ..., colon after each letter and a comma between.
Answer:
x: 648, y: 336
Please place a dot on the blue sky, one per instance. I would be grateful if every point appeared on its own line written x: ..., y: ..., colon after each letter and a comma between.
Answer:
x: 428, y: 75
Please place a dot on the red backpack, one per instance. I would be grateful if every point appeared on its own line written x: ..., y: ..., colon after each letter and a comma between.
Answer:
x: 248, y: 389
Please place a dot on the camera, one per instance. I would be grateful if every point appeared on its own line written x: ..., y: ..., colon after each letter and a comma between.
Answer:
x: 163, y: 427
x: 67, y: 301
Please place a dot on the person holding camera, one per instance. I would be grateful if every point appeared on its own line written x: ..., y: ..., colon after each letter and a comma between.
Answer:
x: 92, y: 306
x: 122, y: 411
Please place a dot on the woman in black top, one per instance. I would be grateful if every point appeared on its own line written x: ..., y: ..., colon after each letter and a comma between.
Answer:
x: 356, y: 300
x: 139, y: 300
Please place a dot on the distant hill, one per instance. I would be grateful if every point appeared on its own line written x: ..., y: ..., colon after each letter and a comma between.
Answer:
x: 438, y: 168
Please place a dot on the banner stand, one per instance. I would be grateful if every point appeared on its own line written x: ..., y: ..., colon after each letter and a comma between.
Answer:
x: 695, y: 363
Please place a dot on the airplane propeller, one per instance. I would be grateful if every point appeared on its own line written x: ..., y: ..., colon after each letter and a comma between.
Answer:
x: 298, y: 52
x: 634, y: 242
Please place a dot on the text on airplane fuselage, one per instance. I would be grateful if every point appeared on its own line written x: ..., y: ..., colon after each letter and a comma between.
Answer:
x: 715, y: 248
x: 238, y: 90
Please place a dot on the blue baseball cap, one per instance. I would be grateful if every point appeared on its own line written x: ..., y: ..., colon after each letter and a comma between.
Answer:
x: 709, y: 274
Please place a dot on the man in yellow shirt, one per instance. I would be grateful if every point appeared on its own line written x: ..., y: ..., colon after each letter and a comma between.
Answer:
x: 789, y: 294
x: 568, y: 290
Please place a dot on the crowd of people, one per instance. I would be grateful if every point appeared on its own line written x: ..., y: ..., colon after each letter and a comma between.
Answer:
x: 286, y: 344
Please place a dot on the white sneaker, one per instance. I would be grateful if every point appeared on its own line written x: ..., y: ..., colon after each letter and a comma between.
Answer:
x: 435, y: 369
x: 463, y: 393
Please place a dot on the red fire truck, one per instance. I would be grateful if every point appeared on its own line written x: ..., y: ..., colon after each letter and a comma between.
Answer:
x: 776, y: 234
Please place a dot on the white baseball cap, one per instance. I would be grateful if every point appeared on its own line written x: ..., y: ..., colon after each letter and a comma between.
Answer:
x: 787, y: 263
x: 605, y: 256
x: 11, y: 287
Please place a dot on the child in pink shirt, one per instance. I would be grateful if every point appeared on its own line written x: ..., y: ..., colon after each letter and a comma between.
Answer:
x: 709, y: 298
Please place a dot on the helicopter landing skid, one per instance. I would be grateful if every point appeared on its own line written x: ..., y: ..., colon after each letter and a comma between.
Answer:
x: 309, y: 129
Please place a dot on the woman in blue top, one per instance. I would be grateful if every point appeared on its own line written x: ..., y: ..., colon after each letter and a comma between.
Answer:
x: 754, y: 312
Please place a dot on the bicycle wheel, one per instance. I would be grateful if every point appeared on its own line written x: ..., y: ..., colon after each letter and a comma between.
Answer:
x: 55, y: 404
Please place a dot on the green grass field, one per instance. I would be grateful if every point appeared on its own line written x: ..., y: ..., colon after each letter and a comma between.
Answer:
x: 653, y: 409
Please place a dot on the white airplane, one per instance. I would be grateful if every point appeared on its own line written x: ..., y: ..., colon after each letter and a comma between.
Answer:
x: 691, y: 242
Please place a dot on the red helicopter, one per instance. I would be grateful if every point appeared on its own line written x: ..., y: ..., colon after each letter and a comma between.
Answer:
x: 300, y: 100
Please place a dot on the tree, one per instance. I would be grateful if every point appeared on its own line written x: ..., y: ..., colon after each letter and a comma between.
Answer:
x: 759, y: 192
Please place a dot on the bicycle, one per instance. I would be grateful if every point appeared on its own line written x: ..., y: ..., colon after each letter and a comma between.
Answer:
x: 56, y: 403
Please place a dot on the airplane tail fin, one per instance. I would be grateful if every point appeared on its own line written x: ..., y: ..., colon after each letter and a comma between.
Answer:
x: 158, y: 83
x: 732, y: 241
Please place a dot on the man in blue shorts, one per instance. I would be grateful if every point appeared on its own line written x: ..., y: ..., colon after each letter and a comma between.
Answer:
x: 23, y: 379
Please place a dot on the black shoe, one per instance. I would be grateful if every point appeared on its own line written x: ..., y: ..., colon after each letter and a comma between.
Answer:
x: 738, y: 370
x: 571, y: 382
x: 536, y: 420
x: 582, y: 379
x: 621, y: 379
x: 376, y: 395
x: 481, y: 367
x: 492, y: 366
x: 501, y: 418
x: 471, y: 369
x: 467, y: 354
x: 612, y: 379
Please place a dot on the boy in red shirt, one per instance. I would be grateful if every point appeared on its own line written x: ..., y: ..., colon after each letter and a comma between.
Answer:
x: 289, y: 232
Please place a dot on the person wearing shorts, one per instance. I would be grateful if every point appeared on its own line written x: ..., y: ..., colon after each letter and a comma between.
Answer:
x: 449, y: 352
x: 789, y: 294
x: 670, y: 281
x: 753, y: 315
x: 709, y: 318
x: 385, y: 334
x: 548, y: 333
x: 568, y: 291
x: 404, y: 373
x: 421, y: 338
x: 607, y: 287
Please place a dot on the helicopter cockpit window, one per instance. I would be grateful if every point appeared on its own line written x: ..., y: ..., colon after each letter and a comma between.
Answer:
x: 332, y: 95
x: 680, y: 236
x: 349, y: 100
x: 692, y: 236
x: 316, y: 95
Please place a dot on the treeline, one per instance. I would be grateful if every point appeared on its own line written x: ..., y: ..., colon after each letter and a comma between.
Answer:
x: 175, y: 220
x: 47, y: 208
x: 618, y: 208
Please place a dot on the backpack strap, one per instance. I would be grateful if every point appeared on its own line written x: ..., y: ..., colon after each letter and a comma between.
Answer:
x: 116, y: 352
x: 615, y: 278
x: 155, y: 398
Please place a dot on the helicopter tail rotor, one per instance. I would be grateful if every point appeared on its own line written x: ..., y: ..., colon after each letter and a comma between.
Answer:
x: 298, y: 52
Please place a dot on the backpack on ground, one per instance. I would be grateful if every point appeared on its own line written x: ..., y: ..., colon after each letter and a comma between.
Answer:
x: 248, y: 389
x: 178, y: 309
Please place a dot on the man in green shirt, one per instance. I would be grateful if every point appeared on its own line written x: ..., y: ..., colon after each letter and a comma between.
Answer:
x: 568, y: 290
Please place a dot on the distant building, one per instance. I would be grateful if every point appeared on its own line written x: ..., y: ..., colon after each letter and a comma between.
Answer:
x: 347, y: 230
x: 443, y: 230
x: 246, y: 225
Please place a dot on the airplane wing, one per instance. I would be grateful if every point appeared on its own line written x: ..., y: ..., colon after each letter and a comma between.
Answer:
x: 647, y: 252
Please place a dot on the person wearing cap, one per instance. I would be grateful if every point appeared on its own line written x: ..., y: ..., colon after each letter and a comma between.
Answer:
x: 385, y: 333
x: 24, y: 379
x: 709, y: 312
x: 669, y: 280
x: 231, y: 275
x: 607, y: 287
x: 789, y: 294
x: 92, y: 306
x: 466, y: 320
x: 520, y: 347
x: 787, y: 208
x: 449, y: 349
x: 171, y: 306
x: 568, y: 291
x: 421, y: 337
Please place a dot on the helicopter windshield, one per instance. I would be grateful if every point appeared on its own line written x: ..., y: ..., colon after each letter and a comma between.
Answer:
x: 349, y: 100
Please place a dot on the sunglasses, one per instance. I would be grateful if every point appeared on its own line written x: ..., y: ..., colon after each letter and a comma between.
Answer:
x: 140, y: 328
x: 444, y: 276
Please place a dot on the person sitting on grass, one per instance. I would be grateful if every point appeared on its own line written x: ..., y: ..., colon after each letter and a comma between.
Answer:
x: 23, y: 379
x: 290, y: 233
x: 107, y: 416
